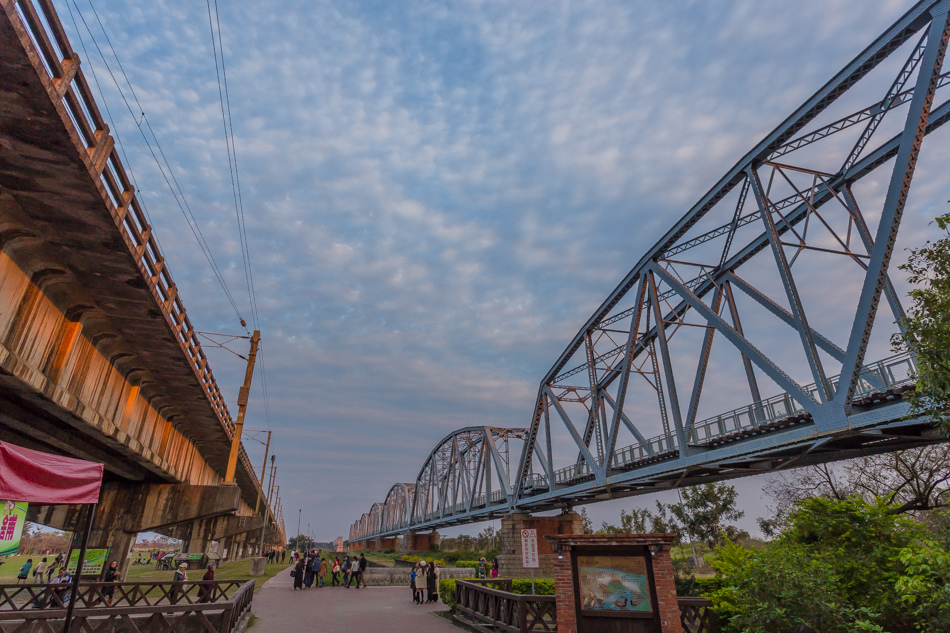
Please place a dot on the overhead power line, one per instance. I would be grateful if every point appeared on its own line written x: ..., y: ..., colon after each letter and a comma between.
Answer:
x: 166, y: 169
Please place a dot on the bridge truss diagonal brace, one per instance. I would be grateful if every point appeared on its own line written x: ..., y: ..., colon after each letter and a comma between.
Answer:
x: 552, y: 399
x: 791, y: 290
x: 744, y: 345
x: 911, y: 138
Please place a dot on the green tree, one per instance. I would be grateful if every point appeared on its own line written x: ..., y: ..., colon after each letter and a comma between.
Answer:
x: 637, y: 521
x: 704, y: 511
x: 588, y: 526
x: 927, y: 326
x: 839, y: 566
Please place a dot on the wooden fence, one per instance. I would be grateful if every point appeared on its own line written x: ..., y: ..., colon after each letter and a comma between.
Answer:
x: 490, y: 606
x: 145, y: 607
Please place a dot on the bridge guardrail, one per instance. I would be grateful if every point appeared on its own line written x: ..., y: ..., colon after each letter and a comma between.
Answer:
x: 893, y: 372
x: 68, y: 87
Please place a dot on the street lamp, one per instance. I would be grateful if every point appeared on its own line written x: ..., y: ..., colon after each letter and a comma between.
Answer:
x: 299, y: 514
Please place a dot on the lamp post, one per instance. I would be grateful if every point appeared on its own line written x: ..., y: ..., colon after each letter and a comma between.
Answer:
x: 299, y: 514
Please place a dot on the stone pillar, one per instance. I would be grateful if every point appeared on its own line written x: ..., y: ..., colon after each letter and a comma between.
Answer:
x: 509, y: 560
x: 119, y: 543
x: 415, y: 542
x: 655, y: 548
x: 383, y: 544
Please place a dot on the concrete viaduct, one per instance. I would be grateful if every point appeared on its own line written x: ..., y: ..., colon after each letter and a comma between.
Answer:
x: 98, y: 358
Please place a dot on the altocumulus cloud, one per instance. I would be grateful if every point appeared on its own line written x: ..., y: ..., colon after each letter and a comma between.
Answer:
x: 439, y: 193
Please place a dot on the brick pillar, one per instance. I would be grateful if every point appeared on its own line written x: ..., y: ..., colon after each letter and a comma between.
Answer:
x: 509, y: 560
x: 415, y: 542
x: 664, y: 589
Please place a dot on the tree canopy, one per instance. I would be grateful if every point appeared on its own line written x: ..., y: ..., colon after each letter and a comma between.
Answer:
x: 927, y: 326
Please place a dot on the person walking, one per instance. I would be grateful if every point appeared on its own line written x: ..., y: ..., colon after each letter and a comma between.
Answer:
x: 322, y: 572
x: 308, y: 573
x: 24, y: 572
x: 362, y: 571
x: 419, y: 584
x: 412, y: 581
x: 346, y: 571
x: 335, y: 582
x: 298, y: 575
x: 181, y: 576
x: 432, y: 582
x: 206, y: 590
x: 39, y: 571
x: 111, y: 575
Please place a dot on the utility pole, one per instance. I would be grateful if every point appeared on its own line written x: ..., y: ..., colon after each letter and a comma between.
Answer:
x: 299, y: 515
x: 273, y: 468
x: 243, y: 395
x: 257, y: 505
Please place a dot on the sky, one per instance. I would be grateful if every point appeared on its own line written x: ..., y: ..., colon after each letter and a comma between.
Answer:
x: 439, y: 194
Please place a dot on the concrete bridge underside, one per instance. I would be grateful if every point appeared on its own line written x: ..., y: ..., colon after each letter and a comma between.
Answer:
x: 98, y: 359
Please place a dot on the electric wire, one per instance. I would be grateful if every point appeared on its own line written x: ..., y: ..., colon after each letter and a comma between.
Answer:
x: 227, y: 121
x: 217, y: 47
x: 170, y: 178
x: 179, y: 196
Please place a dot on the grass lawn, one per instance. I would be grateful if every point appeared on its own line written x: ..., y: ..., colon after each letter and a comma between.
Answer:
x: 11, y: 565
x: 232, y: 570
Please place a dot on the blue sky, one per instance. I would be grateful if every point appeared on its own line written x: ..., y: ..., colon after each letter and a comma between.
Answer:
x: 438, y: 194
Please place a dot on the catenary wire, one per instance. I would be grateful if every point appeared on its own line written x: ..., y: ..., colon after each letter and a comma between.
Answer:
x: 179, y: 195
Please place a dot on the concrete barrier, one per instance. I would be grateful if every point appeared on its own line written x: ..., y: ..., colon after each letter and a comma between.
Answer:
x: 400, y: 576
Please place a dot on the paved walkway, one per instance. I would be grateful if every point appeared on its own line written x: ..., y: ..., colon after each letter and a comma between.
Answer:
x: 280, y: 609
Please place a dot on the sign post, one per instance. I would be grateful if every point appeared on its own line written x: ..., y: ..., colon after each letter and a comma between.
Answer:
x: 529, y: 552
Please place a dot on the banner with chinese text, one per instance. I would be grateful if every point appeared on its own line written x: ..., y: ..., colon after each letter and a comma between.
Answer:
x: 11, y: 526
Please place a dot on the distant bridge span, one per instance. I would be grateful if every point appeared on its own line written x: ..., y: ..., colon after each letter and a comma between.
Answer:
x: 777, y: 251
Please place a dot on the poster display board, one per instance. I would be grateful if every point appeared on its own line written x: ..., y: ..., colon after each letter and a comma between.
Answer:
x: 11, y: 526
x: 93, y: 564
x: 614, y: 585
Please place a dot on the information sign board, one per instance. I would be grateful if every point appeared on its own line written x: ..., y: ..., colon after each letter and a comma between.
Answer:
x: 529, y: 549
x: 92, y: 565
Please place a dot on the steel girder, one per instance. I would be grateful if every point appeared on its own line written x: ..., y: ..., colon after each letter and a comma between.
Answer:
x: 743, y: 270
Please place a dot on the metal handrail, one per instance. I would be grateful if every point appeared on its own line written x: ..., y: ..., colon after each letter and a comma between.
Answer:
x: 890, y: 373
x: 68, y: 88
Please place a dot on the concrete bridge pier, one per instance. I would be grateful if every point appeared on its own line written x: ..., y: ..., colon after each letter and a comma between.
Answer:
x: 510, y: 560
x: 383, y: 544
x: 238, y: 535
x: 125, y: 509
x: 416, y: 542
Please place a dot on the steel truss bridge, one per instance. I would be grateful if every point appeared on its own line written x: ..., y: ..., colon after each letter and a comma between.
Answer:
x: 737, y: 292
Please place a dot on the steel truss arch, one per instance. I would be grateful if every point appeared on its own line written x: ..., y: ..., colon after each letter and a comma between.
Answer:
x: 736, y: 284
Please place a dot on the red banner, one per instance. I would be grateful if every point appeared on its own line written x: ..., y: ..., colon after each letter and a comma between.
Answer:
x: 36, y: 477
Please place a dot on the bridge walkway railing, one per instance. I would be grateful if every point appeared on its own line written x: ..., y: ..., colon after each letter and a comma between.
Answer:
x: 490, y: 606
x: 68, y: 88
x: 889, y: 375
x: 146, y: 607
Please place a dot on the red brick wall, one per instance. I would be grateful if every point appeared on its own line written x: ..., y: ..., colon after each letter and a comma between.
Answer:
x: 564, y: 592
x: 662, y: 574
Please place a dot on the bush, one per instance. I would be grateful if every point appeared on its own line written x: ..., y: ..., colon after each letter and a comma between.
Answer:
x: 466, y: 563
x: 840, y: 566
x: 416, y: 559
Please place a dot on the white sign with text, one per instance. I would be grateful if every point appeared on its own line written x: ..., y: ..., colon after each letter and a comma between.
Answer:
x: 529, y: 549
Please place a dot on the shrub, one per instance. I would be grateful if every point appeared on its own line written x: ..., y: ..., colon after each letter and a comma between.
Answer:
x: 840, y: 566
x: 466, y: 563
x: 416, y: 559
